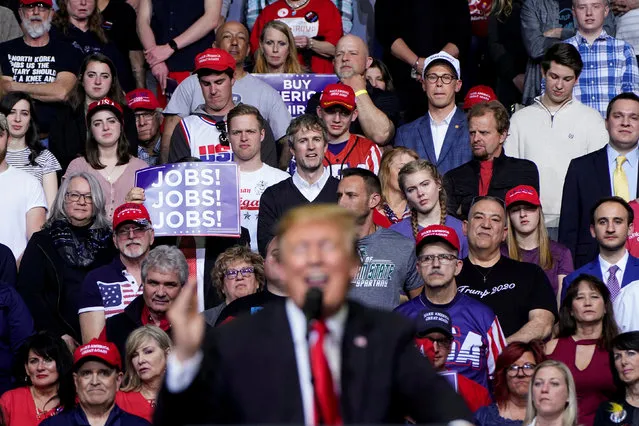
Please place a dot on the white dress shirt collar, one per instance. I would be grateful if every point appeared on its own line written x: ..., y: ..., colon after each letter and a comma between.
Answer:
x: 310, y: 191
x: 621, y: 265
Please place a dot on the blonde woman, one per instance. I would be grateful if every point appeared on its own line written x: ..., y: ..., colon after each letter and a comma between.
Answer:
x: 552, y: 399
x: 276, y: 52
x: 421, y: 185
x: 394, y: 206
x: 147, y: 349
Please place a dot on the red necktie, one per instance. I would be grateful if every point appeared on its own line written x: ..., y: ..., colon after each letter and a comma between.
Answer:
x: 188, y: 247
x: 326, y: 401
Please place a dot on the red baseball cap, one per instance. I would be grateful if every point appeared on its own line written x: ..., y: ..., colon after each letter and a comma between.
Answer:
x: 131, y: 212
x: 522, y: 194
x: 104, y: 351
x: 142, y: 99
x: 104, y: 104
x: 338, y: 94
x: 215, y: 59
x: 437, y: 232
x: 477, y: 95
x: 45, y: 2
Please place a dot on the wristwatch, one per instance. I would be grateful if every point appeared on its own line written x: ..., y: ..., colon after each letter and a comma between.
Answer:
x: 173, y: 45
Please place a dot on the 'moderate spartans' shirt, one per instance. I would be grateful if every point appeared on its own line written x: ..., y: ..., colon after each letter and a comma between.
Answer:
x: 388, y: 267
x: 476, y: 330
x: 109, y: 288
x: 511, y: 289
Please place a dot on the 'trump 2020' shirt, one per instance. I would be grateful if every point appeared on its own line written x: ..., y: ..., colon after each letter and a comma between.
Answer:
x: 511, y: 288
x: 388, y: 266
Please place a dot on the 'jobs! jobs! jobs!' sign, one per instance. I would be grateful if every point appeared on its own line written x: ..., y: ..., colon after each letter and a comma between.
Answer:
x: 192, y: 198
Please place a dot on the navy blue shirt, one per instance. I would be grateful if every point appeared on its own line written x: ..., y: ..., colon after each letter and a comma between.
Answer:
x: 171, y: 18
x: 76, y: 417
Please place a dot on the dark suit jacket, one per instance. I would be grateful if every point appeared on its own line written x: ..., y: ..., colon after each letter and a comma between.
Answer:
x: 587, y: 180
x: 455, y: 150
x: 462, y: 184
x: 248, y: 375
x: 630, y: 274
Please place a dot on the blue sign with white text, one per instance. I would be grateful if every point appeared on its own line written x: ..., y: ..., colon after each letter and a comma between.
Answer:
x: 192, y: 198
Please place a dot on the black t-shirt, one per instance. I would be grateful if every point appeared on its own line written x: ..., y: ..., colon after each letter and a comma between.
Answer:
x: 385, y: 101
x: 118, y: 22
x: 38, y: 65
x: 565, y: 14
x: 511, y: 288
x: 87, y: 43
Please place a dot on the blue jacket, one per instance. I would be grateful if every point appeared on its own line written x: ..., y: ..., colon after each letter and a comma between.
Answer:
x: 16, y: 325
x: 594, y: 268
x: 455, y: 151
x: 76, y: 417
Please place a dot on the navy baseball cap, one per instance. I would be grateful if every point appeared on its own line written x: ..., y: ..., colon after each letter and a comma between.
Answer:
x: 430, y: 320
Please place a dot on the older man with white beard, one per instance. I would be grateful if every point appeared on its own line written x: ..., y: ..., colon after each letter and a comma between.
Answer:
x: 107, y: 290
x: 38, y: 64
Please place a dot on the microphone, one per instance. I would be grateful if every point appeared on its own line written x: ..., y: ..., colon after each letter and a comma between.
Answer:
x: 313, y: 304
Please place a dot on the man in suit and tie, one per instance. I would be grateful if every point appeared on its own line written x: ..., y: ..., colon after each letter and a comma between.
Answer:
x: 440, y: 136
x: 611, y: 170
x: 309, y: 360
x: 490, y: 172
x: 610, y: 225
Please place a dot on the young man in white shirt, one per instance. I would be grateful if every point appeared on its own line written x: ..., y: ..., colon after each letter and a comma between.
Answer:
x: 246, y: 134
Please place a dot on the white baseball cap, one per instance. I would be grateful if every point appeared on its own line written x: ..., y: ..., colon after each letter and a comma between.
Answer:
x: 442, y: 56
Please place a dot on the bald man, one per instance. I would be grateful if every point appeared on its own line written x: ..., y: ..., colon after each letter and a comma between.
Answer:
x: 378, y: 110
x: 234, y: 38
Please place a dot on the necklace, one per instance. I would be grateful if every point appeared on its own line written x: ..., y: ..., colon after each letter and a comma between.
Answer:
x: 299, y: 6
x: 109, y: 175
x: 484, y: 276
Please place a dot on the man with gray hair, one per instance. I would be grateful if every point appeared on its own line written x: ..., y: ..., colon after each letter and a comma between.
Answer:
x: 311, y: 182
x: 164, y: 273
x: 25, y: 206
x: 40, y: 65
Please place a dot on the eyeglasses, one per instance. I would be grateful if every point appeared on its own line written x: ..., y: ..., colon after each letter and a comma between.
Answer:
x: 444, y: 259
x: 224, y: 137
x: 74, y: 197
x: 231, y: 274
x: 527, y: 369
x: 137, y: 231
x: 443, y: 341
x: 143, y: 116
x: 34, y: 5
x: 445, y: 78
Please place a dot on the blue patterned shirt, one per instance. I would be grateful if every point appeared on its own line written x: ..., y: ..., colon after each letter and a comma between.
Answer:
x: 150, y: 159
x: 254, y: 7
x: 610, y: 68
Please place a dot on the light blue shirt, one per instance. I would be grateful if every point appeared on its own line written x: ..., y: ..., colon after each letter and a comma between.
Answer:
x: 629, y: 167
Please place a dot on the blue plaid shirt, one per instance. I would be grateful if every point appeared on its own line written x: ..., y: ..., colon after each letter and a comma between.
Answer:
x: 610, y: 68
x: 254, y: 7
x: 151, y: 160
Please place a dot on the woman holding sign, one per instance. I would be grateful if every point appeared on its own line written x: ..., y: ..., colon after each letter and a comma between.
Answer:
x: 277, y: 52
x: 107, y: 153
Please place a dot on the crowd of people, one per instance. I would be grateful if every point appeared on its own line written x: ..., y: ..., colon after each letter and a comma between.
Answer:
x: 491, y: 221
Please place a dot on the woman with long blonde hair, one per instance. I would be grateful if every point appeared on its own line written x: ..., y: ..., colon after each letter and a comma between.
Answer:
x: 421, y: 185
x: 393, y: 208
x: 276, y: 52
x: 552, y: 399
x: 528, y: 240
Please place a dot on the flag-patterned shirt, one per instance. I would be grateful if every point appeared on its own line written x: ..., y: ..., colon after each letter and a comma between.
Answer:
x: 109, y: 288
x: 610, y: 68
x: 478, y: 338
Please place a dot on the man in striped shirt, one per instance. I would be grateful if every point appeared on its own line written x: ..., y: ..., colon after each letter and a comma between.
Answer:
x: 107, y: 290
x: 610, y: 64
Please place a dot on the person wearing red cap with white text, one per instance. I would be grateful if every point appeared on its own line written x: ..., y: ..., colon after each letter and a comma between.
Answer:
x: 204, y: 134
x: 477, y: 95
x: 107, y: 153
x: 338, y: 109
x: 528, y: 239
x: 97, y: 375
x: 107, y: 290
x: 148, y: 120
x: 42, y: 66
x: 478, y: 336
